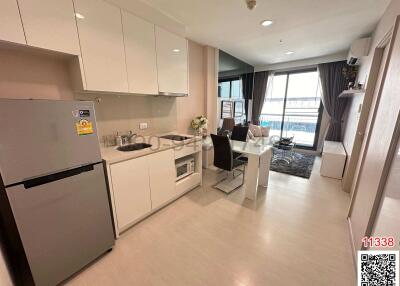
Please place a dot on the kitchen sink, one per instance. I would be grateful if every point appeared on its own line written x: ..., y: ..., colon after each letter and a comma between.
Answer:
x: 134, y: 147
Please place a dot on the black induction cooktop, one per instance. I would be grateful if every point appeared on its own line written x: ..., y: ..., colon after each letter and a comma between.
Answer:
x: 175, y: 137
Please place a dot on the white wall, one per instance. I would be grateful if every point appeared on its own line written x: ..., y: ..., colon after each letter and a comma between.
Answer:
x: 5, y: 278
x: 194, y: 104
x: 30, y: 73
x: 304, y: 63
x: 351, y: 122
x: 211, y: 59
x: 384, y: 25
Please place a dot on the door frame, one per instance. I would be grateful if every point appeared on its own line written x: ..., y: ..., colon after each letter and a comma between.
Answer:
x: 391, y: 37
x: 369, y: 93
x: 352, y: 168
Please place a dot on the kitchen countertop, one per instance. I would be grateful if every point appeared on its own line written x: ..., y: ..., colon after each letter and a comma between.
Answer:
x: 112, y: 155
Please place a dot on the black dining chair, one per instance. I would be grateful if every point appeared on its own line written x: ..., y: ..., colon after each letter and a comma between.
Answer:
x: 223, y: 159
x: 239, y: 133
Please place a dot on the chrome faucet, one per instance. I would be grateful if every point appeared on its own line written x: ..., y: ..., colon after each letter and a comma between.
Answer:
x: 125, y: 138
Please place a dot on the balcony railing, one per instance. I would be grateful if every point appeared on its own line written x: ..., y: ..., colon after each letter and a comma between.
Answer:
x: 300, y: 125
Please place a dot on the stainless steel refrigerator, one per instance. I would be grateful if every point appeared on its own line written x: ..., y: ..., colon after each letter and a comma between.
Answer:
x: 54, y: 203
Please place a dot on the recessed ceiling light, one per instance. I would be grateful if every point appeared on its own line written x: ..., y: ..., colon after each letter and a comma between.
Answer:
x: 176, y: 50
x: 79, y: 16
x: 289, y: 53
x: 266, y: 23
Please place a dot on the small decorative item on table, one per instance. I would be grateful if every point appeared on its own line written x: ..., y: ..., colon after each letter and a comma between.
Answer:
x: 199, y: 124
x: 284, y: 149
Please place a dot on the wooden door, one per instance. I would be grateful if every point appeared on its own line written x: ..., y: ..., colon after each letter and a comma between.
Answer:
x: 375, y: 79
x: 387, y: 223
x: 379, y: 148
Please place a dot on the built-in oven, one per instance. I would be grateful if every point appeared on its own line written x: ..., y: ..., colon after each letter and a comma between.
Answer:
x: 184, y: 167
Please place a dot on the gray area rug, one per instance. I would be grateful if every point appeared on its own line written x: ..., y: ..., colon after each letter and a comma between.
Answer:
x: 300, y: 166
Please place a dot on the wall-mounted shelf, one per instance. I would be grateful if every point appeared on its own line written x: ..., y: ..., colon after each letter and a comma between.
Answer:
x: 351, y: 93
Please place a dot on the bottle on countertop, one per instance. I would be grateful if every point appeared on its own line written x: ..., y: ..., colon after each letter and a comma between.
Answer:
x: 118, y: 139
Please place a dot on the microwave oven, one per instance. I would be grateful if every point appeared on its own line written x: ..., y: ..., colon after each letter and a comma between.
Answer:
x: 184, y: 168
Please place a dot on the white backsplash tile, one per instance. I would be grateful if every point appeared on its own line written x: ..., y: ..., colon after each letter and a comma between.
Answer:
x: 122, y: 113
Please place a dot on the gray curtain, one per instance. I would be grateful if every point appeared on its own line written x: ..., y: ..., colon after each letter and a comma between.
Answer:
x: 260, y: 87
x: 333, y: 82
x: 247, y: 86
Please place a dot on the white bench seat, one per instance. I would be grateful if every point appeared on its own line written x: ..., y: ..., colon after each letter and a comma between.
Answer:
x: 333, y: 160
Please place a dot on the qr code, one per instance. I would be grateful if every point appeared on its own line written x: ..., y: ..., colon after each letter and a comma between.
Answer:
x: 378, y: 268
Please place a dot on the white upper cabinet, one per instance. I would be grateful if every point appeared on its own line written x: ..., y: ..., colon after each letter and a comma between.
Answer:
x: 50, y: 24
x: 11, y: 29
x: 102, y: 45
x: 172, y: 62
x: 140, y: 50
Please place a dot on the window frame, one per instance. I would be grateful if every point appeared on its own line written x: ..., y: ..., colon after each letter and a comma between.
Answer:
x: 230, y: 80
x: 320, y: 108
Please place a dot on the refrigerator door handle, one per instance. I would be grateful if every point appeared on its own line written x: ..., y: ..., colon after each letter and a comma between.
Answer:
x: 56, y: 176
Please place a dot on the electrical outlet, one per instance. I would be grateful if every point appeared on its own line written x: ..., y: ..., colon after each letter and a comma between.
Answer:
x: 143, y: 125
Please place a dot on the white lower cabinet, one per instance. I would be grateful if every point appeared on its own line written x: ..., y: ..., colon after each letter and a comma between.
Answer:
x: 162, y: 177
x: 131, y: 189
x: 140, y: 186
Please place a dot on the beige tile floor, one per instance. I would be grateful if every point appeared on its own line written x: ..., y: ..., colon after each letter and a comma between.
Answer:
x: 295, y: 234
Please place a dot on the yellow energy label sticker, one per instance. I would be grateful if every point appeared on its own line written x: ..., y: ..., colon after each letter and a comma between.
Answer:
x: 84, y: 127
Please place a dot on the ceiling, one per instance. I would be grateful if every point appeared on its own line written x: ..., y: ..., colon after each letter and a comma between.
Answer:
x: 310, y: 28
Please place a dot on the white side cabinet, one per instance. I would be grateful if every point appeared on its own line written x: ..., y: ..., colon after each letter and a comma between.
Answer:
x: 333, y: 160
x: 131, y: 189
x: 172, y: 62
x: 50, y: 25
x: 102, y: 45
x: 11, y: 29
x: 140, y: 51
x: 162, y: 177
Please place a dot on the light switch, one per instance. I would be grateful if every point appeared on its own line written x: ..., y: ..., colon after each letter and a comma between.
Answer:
x: 143, y: 125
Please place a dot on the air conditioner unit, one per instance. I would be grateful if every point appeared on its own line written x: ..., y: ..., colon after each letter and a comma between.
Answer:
x: 358, y: 49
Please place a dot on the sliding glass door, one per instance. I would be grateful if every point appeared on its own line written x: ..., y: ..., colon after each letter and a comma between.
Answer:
x: 292, y: 107
x: 274, y: 104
